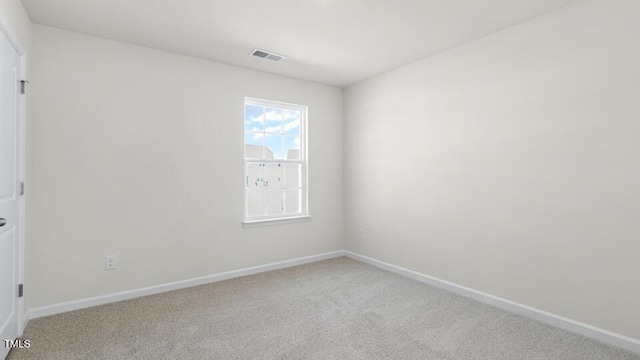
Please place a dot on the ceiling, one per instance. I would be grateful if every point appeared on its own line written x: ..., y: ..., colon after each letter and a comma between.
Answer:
x: 336, y: 42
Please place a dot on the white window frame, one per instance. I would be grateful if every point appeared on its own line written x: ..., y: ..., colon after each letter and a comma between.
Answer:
x: 303, y: 215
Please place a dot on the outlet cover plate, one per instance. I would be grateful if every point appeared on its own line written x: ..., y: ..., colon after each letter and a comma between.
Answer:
x: 110, y: 262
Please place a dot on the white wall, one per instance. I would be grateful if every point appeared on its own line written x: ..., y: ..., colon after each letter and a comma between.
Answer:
x: 510, y: 165
x: 128, y: 148
x: 15, y: 15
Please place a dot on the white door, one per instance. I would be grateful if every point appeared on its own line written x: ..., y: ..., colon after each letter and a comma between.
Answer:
x: 9, y: 191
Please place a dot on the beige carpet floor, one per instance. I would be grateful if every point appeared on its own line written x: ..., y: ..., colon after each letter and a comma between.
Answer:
x: 334, y: 309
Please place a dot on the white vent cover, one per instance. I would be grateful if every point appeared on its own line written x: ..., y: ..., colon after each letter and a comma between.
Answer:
x: 263, y: 54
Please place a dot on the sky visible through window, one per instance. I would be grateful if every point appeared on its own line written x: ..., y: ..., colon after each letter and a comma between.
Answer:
x: 273, y: 132
x: 275, y: 184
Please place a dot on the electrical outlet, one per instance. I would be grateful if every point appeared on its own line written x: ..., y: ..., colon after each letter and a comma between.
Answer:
x: 110, y: 262
x: 360, y: 234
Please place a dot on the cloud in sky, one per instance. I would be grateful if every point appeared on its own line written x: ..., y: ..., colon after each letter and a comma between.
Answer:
x: 265, y: 126
x: 291, y: 125
x: 272, y: 115
x: 274, y: 129
x: 276, y: 121
x: 253, y: 114
x: 287, y: 128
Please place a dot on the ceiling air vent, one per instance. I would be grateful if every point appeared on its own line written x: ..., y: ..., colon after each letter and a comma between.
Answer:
x: 267, y: 55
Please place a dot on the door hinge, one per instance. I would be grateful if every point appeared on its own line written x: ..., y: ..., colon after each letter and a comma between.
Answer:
x: 20, y: 290
x: 22, y: 188
x: 23, y: 86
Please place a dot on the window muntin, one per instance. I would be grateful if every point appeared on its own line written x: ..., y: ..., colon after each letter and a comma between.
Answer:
x: 275, y: 160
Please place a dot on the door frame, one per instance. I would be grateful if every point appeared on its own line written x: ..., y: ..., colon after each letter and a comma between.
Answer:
x: 6, y: 30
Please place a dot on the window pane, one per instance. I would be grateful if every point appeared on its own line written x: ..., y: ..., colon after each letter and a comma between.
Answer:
x: 293, y: 175
x: 254, y: 178
x: 291, y: 122
x: 275, y: 202
x: 292, y: 147
x: 253, y: 118
x: 254, y: 145
x: 294, y: 203
x: 275, y: 175
x: 274, y: 147
x: 275, y: 155
x: 273, y: 120
x: 256, y: 203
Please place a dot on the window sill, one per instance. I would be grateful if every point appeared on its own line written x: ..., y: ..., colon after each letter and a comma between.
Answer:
x: 279, y: 221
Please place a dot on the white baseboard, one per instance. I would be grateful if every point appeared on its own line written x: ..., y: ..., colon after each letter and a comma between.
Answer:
x: 25, y: 320
x: 587, y: 330
x: 177, y: 285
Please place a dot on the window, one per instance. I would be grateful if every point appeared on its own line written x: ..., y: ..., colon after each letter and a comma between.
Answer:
x: 275, y: 161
